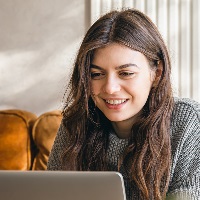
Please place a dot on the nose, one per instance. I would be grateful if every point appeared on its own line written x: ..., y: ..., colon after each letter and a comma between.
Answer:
x: 111, y: 85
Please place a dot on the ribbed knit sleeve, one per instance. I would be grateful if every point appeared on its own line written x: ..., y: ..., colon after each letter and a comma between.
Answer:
x: 185, y: 142
x: 60, y: 142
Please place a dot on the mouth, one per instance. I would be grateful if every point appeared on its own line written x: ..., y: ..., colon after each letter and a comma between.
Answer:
x: 115, y: 101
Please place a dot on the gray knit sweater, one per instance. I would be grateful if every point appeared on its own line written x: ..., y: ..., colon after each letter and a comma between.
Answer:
x: 185, y: 144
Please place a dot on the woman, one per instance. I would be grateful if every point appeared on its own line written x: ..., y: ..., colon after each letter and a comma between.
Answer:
x: 120, y: 114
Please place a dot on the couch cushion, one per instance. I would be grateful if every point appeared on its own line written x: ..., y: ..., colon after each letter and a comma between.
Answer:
x: 44, y: 132
x: 15, y: 139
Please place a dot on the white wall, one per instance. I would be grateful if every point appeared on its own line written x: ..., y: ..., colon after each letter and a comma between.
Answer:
x: 38, y: 42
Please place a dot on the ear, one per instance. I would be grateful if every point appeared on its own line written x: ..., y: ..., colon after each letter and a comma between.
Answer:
x: 158, y: 73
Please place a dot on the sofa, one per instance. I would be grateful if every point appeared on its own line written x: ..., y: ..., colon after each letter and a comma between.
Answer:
x: 26, y: 139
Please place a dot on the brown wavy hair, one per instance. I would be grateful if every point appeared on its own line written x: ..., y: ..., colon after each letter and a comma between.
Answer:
x: 148, y: 155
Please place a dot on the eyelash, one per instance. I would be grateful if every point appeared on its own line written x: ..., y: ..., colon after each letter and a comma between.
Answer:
x: 100, y: 75
x: 127, y: 73
x: 97, y: 75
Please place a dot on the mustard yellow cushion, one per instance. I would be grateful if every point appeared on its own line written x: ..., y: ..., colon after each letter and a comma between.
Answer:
x: 15, y: 139
x: 44, y: 132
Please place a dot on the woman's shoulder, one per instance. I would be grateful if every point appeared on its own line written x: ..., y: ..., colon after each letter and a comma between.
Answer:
x: 185, y: 121
x: 186, y: 103
x: 184, y: 108
x: 185, y: 146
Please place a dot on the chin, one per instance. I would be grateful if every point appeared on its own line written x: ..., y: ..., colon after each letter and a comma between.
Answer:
x: 115, y: 119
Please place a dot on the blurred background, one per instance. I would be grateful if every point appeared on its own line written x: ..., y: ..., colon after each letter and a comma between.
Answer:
x: 39, y: 40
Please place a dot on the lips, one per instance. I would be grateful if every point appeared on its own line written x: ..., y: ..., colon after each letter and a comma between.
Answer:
x: 116, y: 104
x: 115, y: 101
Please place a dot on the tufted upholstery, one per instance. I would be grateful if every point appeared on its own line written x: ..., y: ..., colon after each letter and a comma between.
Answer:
x: 44, y: 132
x: 25, y: 139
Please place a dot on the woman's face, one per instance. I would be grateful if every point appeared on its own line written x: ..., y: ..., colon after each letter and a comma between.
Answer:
x: 121, y: 79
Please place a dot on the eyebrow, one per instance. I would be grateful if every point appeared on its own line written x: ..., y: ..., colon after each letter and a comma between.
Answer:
x: 117, y: 68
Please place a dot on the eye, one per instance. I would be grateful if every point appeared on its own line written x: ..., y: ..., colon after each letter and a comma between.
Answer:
x: 97, y: 75
x: 126, y: 74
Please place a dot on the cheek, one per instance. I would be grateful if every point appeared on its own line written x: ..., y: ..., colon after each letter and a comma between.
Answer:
x: 152, y: 77
x: 142, y: 86
x: 95, y: 87
x: 148, y: 80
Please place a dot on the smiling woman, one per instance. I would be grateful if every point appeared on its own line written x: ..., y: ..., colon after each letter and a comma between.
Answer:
x: 121, y: 86
x: 120, y: 114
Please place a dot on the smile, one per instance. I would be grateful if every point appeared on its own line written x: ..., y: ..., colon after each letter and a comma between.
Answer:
x: 116, y: 101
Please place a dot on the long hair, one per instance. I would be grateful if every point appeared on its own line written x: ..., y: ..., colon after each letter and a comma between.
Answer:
x: 148, y: 155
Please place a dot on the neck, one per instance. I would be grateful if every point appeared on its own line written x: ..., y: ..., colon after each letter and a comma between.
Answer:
x: 122, y: 129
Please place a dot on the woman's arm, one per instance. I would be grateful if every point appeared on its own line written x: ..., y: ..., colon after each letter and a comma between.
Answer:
x: 55, y: 157
x: 185, y: 171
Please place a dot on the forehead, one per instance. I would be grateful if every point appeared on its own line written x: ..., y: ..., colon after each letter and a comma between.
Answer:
x: 116, y: 54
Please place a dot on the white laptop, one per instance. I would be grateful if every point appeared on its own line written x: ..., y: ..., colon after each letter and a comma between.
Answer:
x: 61, y: 185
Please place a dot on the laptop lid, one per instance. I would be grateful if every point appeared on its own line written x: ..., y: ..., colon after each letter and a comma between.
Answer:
x: 61, y: 185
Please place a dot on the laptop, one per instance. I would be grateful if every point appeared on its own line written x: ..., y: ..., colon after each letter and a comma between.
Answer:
x: 61, y: 185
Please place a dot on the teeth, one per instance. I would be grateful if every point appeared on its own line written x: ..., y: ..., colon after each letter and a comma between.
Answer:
x: 116, y: 102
